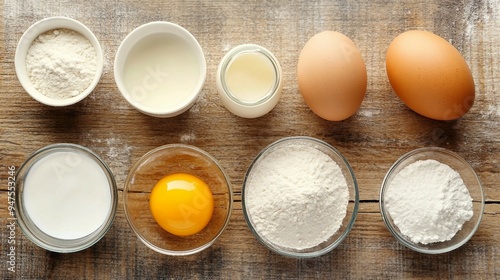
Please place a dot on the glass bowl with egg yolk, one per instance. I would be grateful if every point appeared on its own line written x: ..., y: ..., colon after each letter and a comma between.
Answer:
x: 181, y: 204
x: 178, y: 199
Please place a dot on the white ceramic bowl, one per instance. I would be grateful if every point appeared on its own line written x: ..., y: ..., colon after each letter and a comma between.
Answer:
x: 27, y: 39
x: 158, y: 74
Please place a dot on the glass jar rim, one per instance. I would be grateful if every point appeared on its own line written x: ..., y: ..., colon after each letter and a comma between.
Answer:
x: 245, y: 49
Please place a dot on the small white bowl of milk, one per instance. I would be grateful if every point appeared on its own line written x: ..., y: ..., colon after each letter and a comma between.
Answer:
x: 160, y: 69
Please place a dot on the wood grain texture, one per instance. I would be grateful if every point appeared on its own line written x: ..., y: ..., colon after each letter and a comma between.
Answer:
x: 381, y: 131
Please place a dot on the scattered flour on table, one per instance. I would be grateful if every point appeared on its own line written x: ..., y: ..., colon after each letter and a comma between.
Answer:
x: 492, y: 110
x: 482, y: 21
x: 478, y: 14
x: 116, y: 148
x: 61, y: 63
x: 369, y: 113
x: 200, y: 102
x: 115, y: 151
x: 296, y: 197
x: 188, y: 137
x: 428, y: 201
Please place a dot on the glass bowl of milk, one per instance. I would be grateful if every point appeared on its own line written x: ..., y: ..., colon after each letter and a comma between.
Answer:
x: 66, y: 198
x: 160, y: 69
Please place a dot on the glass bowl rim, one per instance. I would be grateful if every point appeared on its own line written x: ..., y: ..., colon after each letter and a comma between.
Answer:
x: 353, y: 191
x: 385, y: 216
x: 137, y: 232
x: 81, y: 243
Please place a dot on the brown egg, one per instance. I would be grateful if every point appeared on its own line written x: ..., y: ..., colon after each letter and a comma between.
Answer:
x: 429, y: 75
x: 331, y: 75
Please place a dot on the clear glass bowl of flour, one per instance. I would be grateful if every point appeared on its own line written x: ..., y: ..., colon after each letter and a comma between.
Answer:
x: 431, y: 200
x: 300, y: 197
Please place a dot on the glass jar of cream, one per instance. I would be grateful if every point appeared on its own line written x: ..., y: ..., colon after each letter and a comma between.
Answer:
x: 249, y: 81
x: 66, y: 198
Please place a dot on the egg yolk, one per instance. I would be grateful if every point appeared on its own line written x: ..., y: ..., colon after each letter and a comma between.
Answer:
x: 181, y: 204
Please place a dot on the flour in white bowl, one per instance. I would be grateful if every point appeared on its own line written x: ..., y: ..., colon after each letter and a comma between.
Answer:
x: 296, y: 197
x: 428, y: 201
x: 61, y: 63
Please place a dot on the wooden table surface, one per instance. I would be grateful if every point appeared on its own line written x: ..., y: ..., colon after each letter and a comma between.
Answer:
x: 382, y: 130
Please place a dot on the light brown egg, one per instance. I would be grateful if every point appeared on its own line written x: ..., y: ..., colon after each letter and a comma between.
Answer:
x: 429, y: 75
x: 332, y: 76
